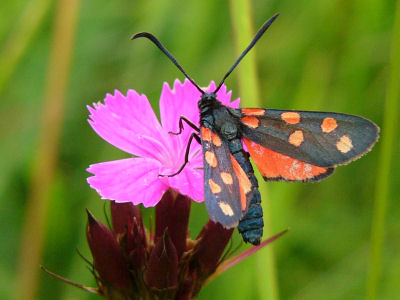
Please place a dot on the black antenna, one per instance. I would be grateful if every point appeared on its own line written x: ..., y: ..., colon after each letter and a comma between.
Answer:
x: 167, y: 53
x: 259, y: 34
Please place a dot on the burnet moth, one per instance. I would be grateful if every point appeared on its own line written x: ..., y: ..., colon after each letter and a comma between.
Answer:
x: 284, y: 144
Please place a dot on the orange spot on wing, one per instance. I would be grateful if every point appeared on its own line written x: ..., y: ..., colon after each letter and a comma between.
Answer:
x: 345, y: 144
x: 226, y: 178
x: 244, y: 182
x: 216, y: 140
x: 205, y: 134
x: 226, y: 208
x: 209, y: 136
x: 252, y: 122
x: 291, y: 117
x: 211, y: 159
x: 296, y: 138
x: 215, y: 188
x: 328, y: 125
x: 276, y: 165
x: 253, y: 111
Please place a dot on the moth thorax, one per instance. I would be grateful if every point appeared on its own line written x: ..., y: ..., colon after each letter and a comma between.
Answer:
x: 229, y: 130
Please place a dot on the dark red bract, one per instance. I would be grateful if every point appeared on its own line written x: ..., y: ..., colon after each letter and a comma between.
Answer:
x: 132, y: 262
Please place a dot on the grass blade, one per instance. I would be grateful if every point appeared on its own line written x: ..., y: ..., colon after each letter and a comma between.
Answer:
x: 249, y: 91
x: 385, y: 162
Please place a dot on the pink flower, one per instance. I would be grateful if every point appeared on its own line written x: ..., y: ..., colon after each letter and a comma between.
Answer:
x: 130, y: 124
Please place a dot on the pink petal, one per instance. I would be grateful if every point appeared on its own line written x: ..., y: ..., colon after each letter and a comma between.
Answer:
x: 190, y: 183
x: 179, y: 101
x: 132, y: 180
x: 124, y: 121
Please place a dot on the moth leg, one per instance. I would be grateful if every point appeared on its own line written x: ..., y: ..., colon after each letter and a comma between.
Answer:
x: 190, y: 123
x: 193, y: 136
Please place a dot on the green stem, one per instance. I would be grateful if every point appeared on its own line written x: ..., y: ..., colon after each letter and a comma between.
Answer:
x: 249, y: 90
x: 385, y: 162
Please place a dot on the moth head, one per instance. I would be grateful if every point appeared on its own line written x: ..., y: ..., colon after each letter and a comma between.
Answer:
x: 208, y: 96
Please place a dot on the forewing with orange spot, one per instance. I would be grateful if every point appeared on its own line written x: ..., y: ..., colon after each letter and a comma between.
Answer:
x: 226, y: 185
x: 305, y: 140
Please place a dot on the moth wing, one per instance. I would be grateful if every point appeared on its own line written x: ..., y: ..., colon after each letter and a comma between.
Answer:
x: 304, y: 145
x: 226, y: 185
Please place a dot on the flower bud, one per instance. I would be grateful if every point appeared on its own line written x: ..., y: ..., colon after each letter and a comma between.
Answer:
x: 122, y: 215
x: 137, y: 246
x: 172, y: 212
x: 162, y: 268
x: 212, y: 242
x: 107, y: 255
x: 129, y: 231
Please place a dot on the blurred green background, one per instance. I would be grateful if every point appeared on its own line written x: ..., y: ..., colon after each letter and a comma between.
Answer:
x: 56, y: 57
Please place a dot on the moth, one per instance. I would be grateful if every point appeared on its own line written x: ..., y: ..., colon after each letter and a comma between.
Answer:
x: 285, y: 145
